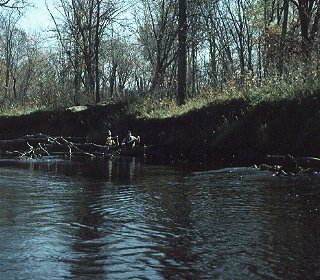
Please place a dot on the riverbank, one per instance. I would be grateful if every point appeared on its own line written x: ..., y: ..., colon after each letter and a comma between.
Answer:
x: 231, y: 129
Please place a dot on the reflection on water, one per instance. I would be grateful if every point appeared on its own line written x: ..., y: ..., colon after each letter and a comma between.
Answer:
x: 124, y: 219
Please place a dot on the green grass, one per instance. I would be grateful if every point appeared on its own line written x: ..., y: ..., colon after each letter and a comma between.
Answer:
x: 21, y: 110
x: 271, y: 91
x: 155, y: 107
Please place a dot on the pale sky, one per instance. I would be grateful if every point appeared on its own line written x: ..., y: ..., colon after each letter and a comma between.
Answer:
x: 37, y: 17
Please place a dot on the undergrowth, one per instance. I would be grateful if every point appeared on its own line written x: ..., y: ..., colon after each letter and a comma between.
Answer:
x: 21, y: 110
x: 165, y: 106
x: 272, y: 91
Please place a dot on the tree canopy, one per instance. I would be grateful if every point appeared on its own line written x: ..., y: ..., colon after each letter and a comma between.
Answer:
x: 111, y: 50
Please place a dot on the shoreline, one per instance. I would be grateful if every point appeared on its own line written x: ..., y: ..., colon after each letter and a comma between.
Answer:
x: 229, y: 132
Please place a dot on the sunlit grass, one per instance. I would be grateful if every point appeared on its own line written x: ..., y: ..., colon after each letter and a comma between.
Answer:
x: 165, y: 106
x: 21, y: 110
x: 271, y: 91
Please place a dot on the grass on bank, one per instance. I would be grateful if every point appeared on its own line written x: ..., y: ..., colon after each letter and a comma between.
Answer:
x: 22, y: 110
x: 161, y: 107
x: 272, y: 91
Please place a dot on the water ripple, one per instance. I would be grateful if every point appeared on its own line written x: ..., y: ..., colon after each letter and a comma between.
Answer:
x: 156, y: 223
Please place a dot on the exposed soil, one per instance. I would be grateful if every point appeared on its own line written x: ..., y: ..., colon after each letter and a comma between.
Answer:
x: 231, y: 130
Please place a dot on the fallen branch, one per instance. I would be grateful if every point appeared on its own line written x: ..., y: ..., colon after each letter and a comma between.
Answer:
x: 39, y: 145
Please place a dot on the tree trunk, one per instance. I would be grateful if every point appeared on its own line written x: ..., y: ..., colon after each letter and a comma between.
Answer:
x: 193, y: 67
x: 266, y: 28
x: 304, y: 17
x: 182, y: 52
x: 283, y: 36
x: 77, y: 78
x: 112, y: 78
x: 213, y: 61
x: 97, y: 43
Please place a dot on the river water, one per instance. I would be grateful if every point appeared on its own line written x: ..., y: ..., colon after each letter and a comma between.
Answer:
x: 125, y: 219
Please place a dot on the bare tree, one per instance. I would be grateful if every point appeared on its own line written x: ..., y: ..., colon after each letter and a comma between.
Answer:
x: 21, y: 64
x: 7, y: 39
x: 157, y: 34
x: 208, y: 10
x: 4, y: 3
x: 80, y: 34
x: 14, y: 4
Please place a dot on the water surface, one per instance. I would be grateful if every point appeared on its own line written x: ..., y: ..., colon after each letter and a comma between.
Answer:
x: 124, y: 219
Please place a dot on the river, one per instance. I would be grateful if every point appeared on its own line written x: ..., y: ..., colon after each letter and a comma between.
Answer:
x: 126, y: 219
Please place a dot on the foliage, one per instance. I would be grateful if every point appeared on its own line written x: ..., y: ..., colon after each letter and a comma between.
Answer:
x: 236, y: 49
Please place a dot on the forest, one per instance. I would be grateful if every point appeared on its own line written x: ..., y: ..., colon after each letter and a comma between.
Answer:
x: 158, y: 51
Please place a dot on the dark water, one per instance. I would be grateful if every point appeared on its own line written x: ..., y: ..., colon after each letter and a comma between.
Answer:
x: 124, y: 219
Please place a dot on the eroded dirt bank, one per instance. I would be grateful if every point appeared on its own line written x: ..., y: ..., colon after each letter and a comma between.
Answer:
x: 229, y: 130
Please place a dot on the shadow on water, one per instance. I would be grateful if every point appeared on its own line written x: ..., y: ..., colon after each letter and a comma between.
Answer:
x: 88, y: 222
x: 120, y: 170
x: 125, y: 219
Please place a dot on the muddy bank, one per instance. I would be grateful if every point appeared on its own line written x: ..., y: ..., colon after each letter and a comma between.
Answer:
x: 231, y: 130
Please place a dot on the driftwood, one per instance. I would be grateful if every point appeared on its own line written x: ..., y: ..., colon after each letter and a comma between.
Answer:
x: 290, y: 165
x: 305, y: 162
x: 39, y: 145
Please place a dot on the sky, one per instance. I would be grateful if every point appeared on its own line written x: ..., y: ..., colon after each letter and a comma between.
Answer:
x: 37, y: 18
